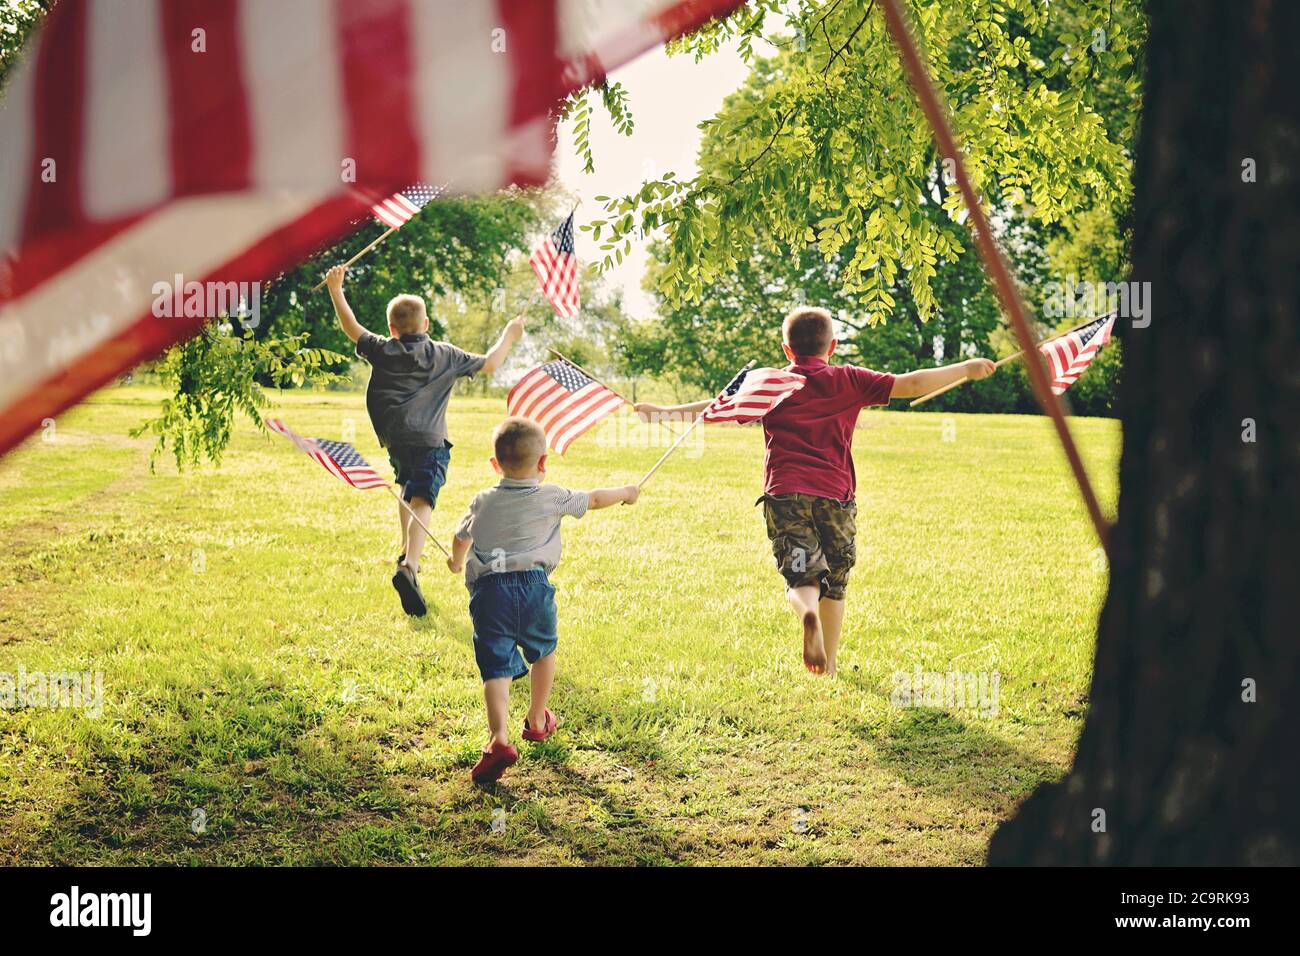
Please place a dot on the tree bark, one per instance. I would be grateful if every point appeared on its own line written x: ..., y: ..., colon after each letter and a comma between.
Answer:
x: 1203, y: 570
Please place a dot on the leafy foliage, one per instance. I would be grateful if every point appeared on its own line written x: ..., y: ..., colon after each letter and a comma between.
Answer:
x: 453, y: 246
x: 578, y: 108
x: 825, y: 147
x: 474, y: 321
x: 18, y: 19
x: 215, y: 375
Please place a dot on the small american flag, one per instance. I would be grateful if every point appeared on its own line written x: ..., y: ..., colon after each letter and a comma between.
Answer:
x: 752, y: 394
x: 556, y: 265
x: 1069, y: 355
x: 337, y: 457
x: 563, y: 399
x: 400, y: 208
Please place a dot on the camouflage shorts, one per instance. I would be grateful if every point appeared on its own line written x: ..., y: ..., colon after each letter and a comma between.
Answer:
x: 813, y: 539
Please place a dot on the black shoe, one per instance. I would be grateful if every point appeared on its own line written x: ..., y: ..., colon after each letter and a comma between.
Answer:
x: 408, y: 589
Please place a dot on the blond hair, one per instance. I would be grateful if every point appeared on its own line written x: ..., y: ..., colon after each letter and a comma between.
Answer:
x: 518, y: 444
x: 406, y: 314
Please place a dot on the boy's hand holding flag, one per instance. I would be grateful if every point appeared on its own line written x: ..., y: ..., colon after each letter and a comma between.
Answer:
x: 1068, y: 355
x: 749, y: 396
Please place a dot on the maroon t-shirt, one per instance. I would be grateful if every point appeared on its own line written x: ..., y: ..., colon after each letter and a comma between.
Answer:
x: 809, y: 436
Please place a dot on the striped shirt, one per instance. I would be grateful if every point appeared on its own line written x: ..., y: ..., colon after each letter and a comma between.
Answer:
x: 515, y: 526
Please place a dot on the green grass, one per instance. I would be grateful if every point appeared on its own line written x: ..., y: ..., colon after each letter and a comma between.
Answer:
x: 257, y: 666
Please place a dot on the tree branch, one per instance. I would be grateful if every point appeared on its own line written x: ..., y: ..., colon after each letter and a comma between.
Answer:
x: 837, y: 53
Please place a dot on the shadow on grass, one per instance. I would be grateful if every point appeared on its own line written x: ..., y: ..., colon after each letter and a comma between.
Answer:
x: 962, y: 761
x: 245, y: 772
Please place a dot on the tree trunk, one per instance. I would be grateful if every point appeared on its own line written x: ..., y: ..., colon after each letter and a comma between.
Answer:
x: 1187, y: 764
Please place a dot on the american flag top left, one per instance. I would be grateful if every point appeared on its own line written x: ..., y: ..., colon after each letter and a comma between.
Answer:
x: 401, y: 207
x: 339, y: 458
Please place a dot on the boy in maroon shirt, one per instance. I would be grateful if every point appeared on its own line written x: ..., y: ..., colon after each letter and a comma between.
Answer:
x: 808, y: 478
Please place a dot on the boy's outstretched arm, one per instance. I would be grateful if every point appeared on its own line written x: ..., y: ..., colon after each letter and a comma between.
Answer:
x: 347, y: 321
x: 459, y: 549
x: 925, y: 380
x: 604, y: 497
x: 649, y: 412
x: 511, y: 334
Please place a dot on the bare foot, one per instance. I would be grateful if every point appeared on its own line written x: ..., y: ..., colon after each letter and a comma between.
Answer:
x: 814, y: 652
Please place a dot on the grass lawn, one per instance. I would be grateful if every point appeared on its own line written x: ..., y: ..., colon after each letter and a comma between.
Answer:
x: 266, y: 701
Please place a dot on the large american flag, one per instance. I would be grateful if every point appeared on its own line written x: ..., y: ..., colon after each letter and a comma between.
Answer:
x: 1070, y: 354
x: 337, y: 457
x: 227, y: 140
x: 563, y: 399
x: 752, y: 394
x: 400, y: 208
x: 556, y: 265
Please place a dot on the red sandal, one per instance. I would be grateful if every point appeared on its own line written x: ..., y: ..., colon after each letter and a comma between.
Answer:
x: 494, y: 763
x: 539, y: 735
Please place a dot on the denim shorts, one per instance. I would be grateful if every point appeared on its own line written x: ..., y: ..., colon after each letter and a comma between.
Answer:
x: 512, y: 611
x: 421, y: 471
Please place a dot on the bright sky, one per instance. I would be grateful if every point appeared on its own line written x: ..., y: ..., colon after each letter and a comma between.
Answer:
x: 668, y: 97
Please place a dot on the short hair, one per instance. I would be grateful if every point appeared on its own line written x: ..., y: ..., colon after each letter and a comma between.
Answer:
x: 808, y: 331
x: 518, y: 443
x: 406, y: 314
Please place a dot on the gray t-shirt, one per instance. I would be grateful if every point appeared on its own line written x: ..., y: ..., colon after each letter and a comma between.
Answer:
x: 515, y: 526
x: 410, y: 383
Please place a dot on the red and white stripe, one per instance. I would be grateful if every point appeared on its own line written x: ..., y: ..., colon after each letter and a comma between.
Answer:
x: 358, y: 476
x: 563, y: 415
x: 760, y: 391
x: 558, y: 274
x: 127, y: 157
x: 395, y: 211
x: 363, y: 477
x: 1069, y: 356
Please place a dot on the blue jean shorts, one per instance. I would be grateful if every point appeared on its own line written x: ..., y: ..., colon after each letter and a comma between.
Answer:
x: 421, y: 471
x: 513, y: 612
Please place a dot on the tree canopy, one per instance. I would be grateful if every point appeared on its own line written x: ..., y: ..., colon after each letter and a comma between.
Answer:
x: 825, y: 149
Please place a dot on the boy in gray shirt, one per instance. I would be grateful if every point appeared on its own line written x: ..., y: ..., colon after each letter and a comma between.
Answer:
x: 410, y: 384
x: 507, y: 545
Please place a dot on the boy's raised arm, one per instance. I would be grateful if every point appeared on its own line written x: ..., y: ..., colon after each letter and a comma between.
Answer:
x: 925, y: 380
x: 511, y: 334
x: 648, y: 411
x: 347, y: 321
x: 604, y: 497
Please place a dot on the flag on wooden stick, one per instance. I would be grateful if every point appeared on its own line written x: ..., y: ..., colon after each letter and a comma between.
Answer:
x: 339, y: 458
x: 348, y: 465
x: 400, y: 208
x: 752, y: 394
x: 564, y: 400
x: 747, y: 398
x: 1069, y: 355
